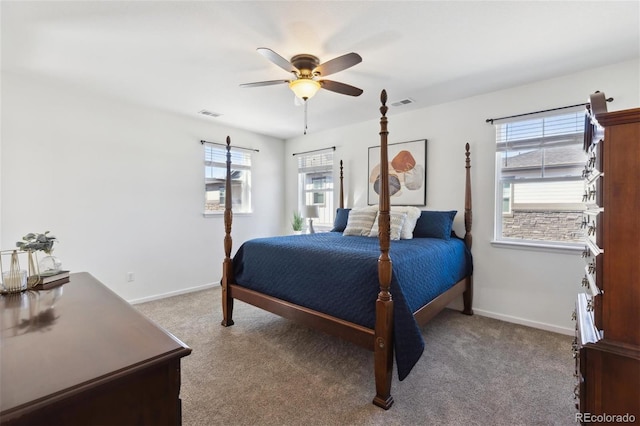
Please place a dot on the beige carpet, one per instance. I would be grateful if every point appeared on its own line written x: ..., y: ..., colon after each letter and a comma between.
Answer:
x: 265, y: 370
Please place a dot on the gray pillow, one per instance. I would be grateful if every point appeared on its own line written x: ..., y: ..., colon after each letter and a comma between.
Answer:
x: 360, y: 222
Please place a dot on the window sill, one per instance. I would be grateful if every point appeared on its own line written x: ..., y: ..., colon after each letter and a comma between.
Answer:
x: 532, y: 246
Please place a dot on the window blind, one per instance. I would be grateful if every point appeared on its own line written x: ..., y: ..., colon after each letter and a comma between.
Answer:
x: 217, y: 156
x: 315, y: 162
x: 541, y: 132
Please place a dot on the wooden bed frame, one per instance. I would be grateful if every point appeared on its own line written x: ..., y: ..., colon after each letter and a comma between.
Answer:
x: 379, y: 339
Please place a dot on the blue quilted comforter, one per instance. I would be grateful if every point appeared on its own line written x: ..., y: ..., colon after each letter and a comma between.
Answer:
x: 338, y: 275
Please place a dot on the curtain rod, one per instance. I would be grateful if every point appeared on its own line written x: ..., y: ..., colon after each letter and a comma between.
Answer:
x: 333, y: 148
x: 491, y: 120
x: 232, y: 146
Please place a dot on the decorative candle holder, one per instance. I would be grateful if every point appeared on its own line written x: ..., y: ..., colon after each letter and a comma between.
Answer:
x: 14, y: 278
x: 14, y: 281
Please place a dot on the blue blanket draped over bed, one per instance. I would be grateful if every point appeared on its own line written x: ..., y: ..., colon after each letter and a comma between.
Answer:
x: 338, y: 275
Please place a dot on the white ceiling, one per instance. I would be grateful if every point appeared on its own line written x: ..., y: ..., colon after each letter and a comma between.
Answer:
x: 185, y: 56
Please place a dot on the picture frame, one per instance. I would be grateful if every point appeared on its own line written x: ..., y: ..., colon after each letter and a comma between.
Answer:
x: 407, y: 173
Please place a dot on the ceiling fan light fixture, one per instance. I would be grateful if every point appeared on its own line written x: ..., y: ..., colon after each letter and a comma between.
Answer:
x: 304, y: 88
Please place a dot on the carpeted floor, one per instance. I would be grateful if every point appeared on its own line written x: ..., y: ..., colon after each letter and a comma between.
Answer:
x: 266, y: 370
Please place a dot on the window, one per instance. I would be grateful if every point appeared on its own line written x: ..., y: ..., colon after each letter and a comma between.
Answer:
x: 215, y: 173
x: 315, y: 185
x: 539, y: 186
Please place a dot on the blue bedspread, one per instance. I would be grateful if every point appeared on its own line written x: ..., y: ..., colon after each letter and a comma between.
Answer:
x: 338, y: 275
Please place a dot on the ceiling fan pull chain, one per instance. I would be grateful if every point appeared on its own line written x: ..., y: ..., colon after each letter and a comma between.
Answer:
x: 305, y: 117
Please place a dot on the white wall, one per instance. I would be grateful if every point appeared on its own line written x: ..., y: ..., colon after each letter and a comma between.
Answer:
x: 121, y: 186
x: 523, y: 286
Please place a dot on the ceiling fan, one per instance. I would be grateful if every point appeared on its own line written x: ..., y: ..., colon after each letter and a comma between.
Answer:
x: 308, y: 72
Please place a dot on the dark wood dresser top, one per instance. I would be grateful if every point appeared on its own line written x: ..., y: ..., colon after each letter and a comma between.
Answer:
x: 59, y: 342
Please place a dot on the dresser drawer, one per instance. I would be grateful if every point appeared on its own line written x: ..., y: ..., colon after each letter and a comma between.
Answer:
x: 586, y: 333
x: 592, y: 228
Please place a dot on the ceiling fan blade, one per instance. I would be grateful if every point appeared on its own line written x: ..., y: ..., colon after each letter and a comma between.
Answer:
x: 343, y: 89
x: 264, y: 83
x: 277, y: 59
x: 338, y: 64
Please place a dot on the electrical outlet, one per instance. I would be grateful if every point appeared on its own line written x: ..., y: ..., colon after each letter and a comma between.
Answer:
x: 131, y: 277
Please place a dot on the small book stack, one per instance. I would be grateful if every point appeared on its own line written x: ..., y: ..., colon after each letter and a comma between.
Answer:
x: 49, y: 280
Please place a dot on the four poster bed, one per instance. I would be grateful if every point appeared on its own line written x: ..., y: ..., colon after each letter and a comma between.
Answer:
x: 348, y: 286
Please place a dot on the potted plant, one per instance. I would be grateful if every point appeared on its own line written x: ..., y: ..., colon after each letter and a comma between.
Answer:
x: 48, y: 265
x: 37, y: 242
x: 297, y: 222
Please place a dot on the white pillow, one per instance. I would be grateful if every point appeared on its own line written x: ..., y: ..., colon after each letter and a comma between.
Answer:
x: 413, y: 213
x: 360, y: 222
x: 396, y: 219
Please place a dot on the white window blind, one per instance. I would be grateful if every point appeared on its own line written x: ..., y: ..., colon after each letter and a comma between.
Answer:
x: 545, y: 147
x: 552, y: 130
x: 539, y: 163
x: 215, y: 172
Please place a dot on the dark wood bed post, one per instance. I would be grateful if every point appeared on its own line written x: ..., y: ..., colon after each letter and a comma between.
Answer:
x: 341, y: 187
x: 467, y: 296
x: 227, y: 266
x: 383, y: 338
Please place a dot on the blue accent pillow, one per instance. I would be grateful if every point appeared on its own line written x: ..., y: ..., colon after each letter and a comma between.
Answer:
x: 434, y: 224
x: 340, y: 222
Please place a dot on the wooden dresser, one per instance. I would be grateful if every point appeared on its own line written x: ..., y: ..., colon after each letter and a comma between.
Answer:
x: 607, y: 345
x: 78, y: 354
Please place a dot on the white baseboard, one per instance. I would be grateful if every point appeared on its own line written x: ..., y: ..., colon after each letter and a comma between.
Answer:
x: 489, y: 314
x: 172, y: 293
x: 528, y: 323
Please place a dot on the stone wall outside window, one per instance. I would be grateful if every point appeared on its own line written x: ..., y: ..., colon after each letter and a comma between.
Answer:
x: 543, y: 225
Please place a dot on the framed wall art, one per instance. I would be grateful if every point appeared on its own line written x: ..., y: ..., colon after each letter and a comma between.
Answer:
x: 407, y: 173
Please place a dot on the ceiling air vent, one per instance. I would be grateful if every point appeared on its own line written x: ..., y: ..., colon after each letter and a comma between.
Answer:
x: 209, y: 113
x: 402, y: 102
